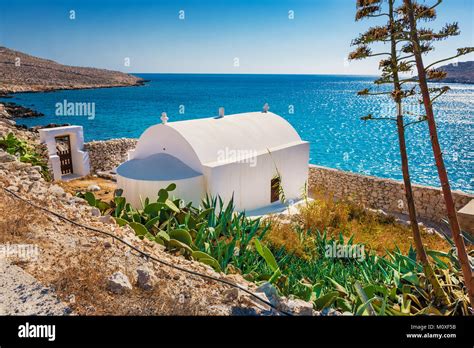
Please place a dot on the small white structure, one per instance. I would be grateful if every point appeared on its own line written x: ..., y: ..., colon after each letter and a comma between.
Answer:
x: 67, y: 157
x: 247, y: 155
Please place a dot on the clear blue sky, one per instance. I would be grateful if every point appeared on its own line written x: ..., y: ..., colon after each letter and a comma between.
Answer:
x: 213, y: 33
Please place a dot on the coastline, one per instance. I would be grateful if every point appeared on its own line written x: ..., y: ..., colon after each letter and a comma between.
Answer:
x: 9, y: 92
x: 21, y: 111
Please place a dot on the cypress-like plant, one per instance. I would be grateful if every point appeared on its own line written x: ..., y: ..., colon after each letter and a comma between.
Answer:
x: 418, y: 42
x: 393, y: 65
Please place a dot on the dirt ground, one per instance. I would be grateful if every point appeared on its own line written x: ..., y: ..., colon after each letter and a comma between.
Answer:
x: 75, y: 263
x: 106, y: 192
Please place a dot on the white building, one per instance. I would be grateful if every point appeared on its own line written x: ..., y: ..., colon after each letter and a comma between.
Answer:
x: 241, y: 155
x: 67, y: 157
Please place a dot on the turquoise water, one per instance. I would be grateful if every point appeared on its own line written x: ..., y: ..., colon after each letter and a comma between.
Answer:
x: 325, y: 110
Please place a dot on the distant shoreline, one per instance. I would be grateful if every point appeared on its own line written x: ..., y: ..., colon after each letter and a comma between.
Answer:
x: 9, y: 94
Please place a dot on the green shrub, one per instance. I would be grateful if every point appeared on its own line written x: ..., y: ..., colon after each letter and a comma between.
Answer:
x: 19, y: 148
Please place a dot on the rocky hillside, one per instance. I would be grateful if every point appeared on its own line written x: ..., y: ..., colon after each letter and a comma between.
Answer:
x: 20, y: 72
x: 462, y: 73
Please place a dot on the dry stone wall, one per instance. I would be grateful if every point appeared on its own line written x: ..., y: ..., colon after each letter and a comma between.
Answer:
x: 108, y: 154
x: 385, y: 194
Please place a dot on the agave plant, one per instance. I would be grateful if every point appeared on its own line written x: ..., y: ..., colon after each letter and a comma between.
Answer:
x: 215, y: 234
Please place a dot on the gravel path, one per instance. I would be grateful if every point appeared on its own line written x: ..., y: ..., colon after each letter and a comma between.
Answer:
x: 21, y: 294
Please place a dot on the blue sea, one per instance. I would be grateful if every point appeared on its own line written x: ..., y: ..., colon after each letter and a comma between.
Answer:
x: 324, y: 109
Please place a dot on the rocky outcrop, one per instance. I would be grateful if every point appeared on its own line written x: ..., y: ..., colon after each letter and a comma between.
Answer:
x: 108, y: 154
x: 20, y: 72
x: 12, y: 110
x: 462, y: 72
x: 385, y: 194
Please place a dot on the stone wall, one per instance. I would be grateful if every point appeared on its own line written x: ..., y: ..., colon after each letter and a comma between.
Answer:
x: 108, y: 154
x: 385, y: 194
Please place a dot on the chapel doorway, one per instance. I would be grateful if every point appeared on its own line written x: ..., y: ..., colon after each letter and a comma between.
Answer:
x: 275, y: 187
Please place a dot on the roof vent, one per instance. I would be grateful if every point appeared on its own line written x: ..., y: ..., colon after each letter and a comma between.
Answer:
x: 266, y: 107
x: 164, y: 118
x: 221, y: 112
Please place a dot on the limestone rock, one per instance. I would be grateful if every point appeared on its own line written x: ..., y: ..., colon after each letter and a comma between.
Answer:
x: 270, y: 292
x: 95, y: 211
x: 297, y: 307
x: 231, y: 294
x: 93, y: 188
x: 57, y: 191
x: 107, y: 219
x: 118, y: 283
x: 145, y: 278
x: 6, y: 157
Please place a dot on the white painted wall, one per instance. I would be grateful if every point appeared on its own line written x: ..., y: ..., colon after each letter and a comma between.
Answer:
x: 251, y: 186
x: 190, y: 189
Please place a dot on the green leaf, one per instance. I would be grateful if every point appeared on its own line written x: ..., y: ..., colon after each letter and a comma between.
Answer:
x: 266, y: 254
x: 344, y: 304
x: 366, y: 306
x: 172, y: 206
x: 365, y: 300
x: 163, y: 236
x: 153, y: 209
x: 197, y: 255
x: 213, y: 263
x: 139, y: 229
x: 149, y: 236
x: 411, y: 277
x: 152, y: 222
x: 90, y: 198
x: 174, y: 243
x: 275, y: 276
x: 162, y: 195
x: 121, y: 222
x: 338, y: 287
x: 119, y: 205
x: 207, y: 259
x: 205, y: 213
x: 326, y: 300
x: 171, y: 187
x: 102, y: 206
x: 181, y: 235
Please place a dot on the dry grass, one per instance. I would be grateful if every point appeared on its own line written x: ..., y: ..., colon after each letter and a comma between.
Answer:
x: 85, y: 280
x: 378, y: 232
x: 106, y: 192
x: 283, y: 235
x: 16, y: 220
